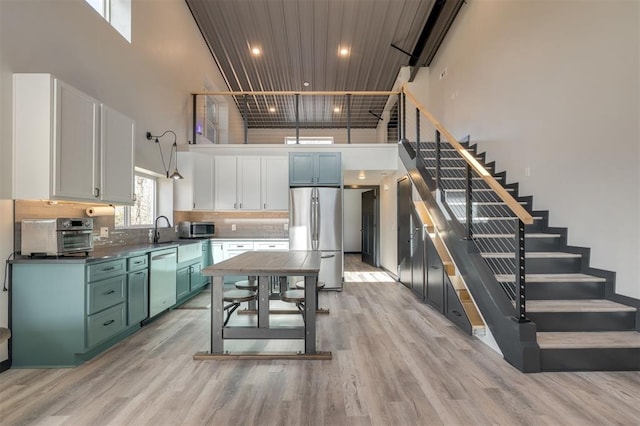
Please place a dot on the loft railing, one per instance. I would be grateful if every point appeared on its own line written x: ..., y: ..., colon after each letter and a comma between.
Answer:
x: 269, y: 117
x: 485, y: 211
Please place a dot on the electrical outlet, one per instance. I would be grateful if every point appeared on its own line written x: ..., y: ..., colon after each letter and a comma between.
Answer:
x: 104, y: 232
x: 527, y: 171
x: 233, y: 226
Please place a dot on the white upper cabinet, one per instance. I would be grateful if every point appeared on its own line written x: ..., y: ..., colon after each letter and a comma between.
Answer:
x: 275, y: 183
x: 225, y: 183
x: 76, y: 118
x: 67, y: 145
x: 195, y: 191
x: 203, y: 178
x: 116, y: 157
x: 237, y: 183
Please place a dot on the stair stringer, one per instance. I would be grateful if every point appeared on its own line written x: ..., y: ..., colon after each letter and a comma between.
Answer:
x: 517, y: 341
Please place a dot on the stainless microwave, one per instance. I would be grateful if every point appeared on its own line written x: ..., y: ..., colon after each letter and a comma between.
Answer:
x: 56, y: 237
x: 196, y: 229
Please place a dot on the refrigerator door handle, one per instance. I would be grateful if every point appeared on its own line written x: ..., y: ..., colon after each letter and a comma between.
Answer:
x: 327, y: 256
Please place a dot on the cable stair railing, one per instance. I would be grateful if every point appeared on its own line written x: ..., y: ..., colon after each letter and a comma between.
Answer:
x: 476, y: 211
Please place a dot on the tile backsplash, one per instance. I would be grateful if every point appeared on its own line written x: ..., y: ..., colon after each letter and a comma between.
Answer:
x: 247, y: 224
x: 259, y: 224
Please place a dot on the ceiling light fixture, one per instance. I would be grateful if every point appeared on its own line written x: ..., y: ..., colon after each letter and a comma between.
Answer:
x: 272, y: 109
x: 174, y: 148
x: 343, y: 51
x: 336, y: 109
x: 361, y: 176
x: 256, y: 51
x: 306, y: 84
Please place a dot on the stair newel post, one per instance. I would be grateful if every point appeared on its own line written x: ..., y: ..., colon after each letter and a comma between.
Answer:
x: 521, y: 300
x: 437, y: 159
x: 468, y: 201
x: 418, y: 158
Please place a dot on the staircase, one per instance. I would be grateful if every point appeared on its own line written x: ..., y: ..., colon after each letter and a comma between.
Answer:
x: 580, y: 323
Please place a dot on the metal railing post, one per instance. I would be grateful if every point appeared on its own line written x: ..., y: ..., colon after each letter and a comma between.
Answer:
x: 297, y: 118
x: 520, y: 273
x: 469, y: 202
x: 418, y: 138
x: 348, y: 118
x: 245, y: 113
x: 195, y: 121
x: 437, y: 159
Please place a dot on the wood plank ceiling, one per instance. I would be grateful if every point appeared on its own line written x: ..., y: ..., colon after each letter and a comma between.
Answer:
x: 300, y: 40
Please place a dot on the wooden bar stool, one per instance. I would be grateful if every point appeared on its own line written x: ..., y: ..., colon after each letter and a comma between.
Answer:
x: 234, y: 298
x: 295, y: 296
x: 252, y: 285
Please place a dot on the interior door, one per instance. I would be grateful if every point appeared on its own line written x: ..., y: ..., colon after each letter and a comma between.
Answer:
x: 404, y: 231
x: 369, y: 227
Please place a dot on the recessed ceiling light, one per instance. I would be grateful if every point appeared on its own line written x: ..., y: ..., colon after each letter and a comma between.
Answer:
x: 256, y: 51
x: 272, y: 109
x: 336, y: 109
x: 306, y: 84
x: 343, y: 51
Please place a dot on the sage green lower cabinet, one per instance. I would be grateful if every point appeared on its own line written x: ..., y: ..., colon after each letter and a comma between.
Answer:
x: 183, y: 276
x: 66, y: 313
x: 137, y: 297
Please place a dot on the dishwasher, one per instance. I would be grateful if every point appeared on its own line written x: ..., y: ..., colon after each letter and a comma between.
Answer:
x: 162, y: 281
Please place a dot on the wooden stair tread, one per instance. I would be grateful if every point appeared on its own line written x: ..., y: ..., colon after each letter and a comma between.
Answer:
x: 591, y: 339
x: 542, y: 278
x: 581, y: 305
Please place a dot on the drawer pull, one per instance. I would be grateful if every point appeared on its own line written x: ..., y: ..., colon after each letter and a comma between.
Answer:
x: 106, y: 293
x: 139, y: 273
x: 110, y: 268
x: 456, y: 313
x: 272, y: 246
x: 108, y: 322
x: 138, y: 262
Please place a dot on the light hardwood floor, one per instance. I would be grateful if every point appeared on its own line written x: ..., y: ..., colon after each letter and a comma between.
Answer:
x: 395, y: 362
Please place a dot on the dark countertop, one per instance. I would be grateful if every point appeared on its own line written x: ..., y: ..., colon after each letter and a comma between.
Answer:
x: 103, y: 253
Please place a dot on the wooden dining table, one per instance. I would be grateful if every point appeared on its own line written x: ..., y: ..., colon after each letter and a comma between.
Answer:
x: 264, y: 265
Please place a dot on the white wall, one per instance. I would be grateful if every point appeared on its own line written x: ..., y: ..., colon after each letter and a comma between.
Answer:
x: 553, y: 86
x: 389, y: 219
x: 353, y: 220
x: 149, y: 80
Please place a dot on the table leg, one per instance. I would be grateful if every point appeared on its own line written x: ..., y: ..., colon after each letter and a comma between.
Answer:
x: 217, y: 346
x: 310, y: 314
x: 263, y: 302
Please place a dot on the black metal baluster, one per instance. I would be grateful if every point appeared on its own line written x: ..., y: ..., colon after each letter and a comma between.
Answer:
x: 418, y: 158
x: 348, y: 118
x: 437, y: 159
x: 404, y: 116
x: 245, y: 113
x: 297, y: 118
x: 469, y: 201
x: 521, y: 300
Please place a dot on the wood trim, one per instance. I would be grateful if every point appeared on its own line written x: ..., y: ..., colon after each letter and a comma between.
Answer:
x: 203, y: 356
x: 504, y: 195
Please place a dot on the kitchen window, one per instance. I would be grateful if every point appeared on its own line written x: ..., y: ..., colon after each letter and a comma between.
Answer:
x: 143, y: 210
x: 117, y: 13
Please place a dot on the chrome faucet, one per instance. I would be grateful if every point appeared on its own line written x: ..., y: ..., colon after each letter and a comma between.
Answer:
x: 156, y: 235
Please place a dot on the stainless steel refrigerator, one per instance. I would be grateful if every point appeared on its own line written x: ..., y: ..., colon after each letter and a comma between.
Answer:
x: 315, y: 223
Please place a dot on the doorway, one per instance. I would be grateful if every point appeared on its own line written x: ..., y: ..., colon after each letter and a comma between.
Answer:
x: 404, y: 231
x: 361, y: 231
